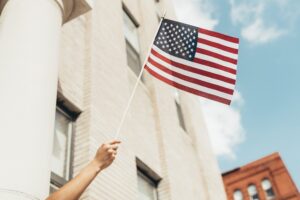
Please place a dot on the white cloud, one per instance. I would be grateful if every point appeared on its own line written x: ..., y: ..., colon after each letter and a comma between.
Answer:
x: 196, y: 12
x: 224, y: 125
x: 255, y: 28
x: 245, y: 12
x: 258, y: 32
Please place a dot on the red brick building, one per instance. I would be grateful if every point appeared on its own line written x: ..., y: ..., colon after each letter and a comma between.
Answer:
x: 264, y: 179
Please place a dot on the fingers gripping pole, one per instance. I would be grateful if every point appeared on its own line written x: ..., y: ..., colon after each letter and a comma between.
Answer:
x: 136, y: 84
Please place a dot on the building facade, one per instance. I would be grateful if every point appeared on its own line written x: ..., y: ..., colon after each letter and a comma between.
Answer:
x: 264, y: 179
x: 165, y: 152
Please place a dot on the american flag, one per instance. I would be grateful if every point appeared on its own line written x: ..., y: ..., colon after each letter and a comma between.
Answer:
x: 195, y: 60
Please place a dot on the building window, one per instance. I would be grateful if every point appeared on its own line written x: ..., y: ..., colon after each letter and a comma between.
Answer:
x: 180, y: 116
x: 267, y: 187
x: 179, y: 110
x: 132, y: 42
x: 146, y: 188
x: 252, y: 191
x: 147, y: 181
x: 238, y: 195
x: 61, y: 152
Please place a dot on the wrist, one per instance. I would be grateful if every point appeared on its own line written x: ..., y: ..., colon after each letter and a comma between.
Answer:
x: 96, y: 165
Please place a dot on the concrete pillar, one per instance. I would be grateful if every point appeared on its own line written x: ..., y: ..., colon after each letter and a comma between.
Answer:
x: 29, y: 50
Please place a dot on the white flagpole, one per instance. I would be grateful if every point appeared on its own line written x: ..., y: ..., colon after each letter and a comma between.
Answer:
x: 137, y: 83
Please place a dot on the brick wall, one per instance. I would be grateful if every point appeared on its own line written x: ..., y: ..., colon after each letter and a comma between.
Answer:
x: 270, y: 167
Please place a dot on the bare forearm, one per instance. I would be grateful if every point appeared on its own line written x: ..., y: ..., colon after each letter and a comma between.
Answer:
x: 73, y: 189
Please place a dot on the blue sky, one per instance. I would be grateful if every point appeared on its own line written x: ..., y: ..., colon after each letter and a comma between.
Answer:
x: 265, y: 117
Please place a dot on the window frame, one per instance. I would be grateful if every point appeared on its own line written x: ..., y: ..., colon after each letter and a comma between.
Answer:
x: 265, y: 190
x: 148, y: 175
x: 57, y: 181
x: 237, y: 190
x: 150, y: 181
x: 128, y: 44
x: 180, y: 115
x: 250, y: 196
x: 130, y: 15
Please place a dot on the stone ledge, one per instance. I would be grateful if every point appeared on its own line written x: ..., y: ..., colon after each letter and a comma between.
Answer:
x: 2, y: 4
x: 70, y: 8
x: 74, y: 8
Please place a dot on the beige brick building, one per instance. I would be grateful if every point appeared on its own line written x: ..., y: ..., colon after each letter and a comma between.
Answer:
x: 165, y: 152
x: 95, y: 78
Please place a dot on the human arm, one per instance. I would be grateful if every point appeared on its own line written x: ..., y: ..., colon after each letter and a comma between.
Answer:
x: 73, y: 189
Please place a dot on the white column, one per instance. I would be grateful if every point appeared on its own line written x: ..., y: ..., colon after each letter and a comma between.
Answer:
x: 29, y: 49
x: 29, y: 38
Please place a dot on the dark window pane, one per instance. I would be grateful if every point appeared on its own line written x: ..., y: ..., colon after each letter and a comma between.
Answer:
x: 180, y: 116
x: 270, y: 192
x: 253, y: 192
x: 133, y: 59
x: 255, y: 197
x: 267, y: 187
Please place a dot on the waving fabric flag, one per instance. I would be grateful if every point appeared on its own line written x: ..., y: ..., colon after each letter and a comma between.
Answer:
x: 195, y: 60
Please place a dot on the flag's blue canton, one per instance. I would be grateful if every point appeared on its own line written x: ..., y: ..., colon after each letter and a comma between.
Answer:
x: 177, y: 39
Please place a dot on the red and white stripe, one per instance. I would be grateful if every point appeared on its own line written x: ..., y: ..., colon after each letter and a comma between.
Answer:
x: 212, y: 73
